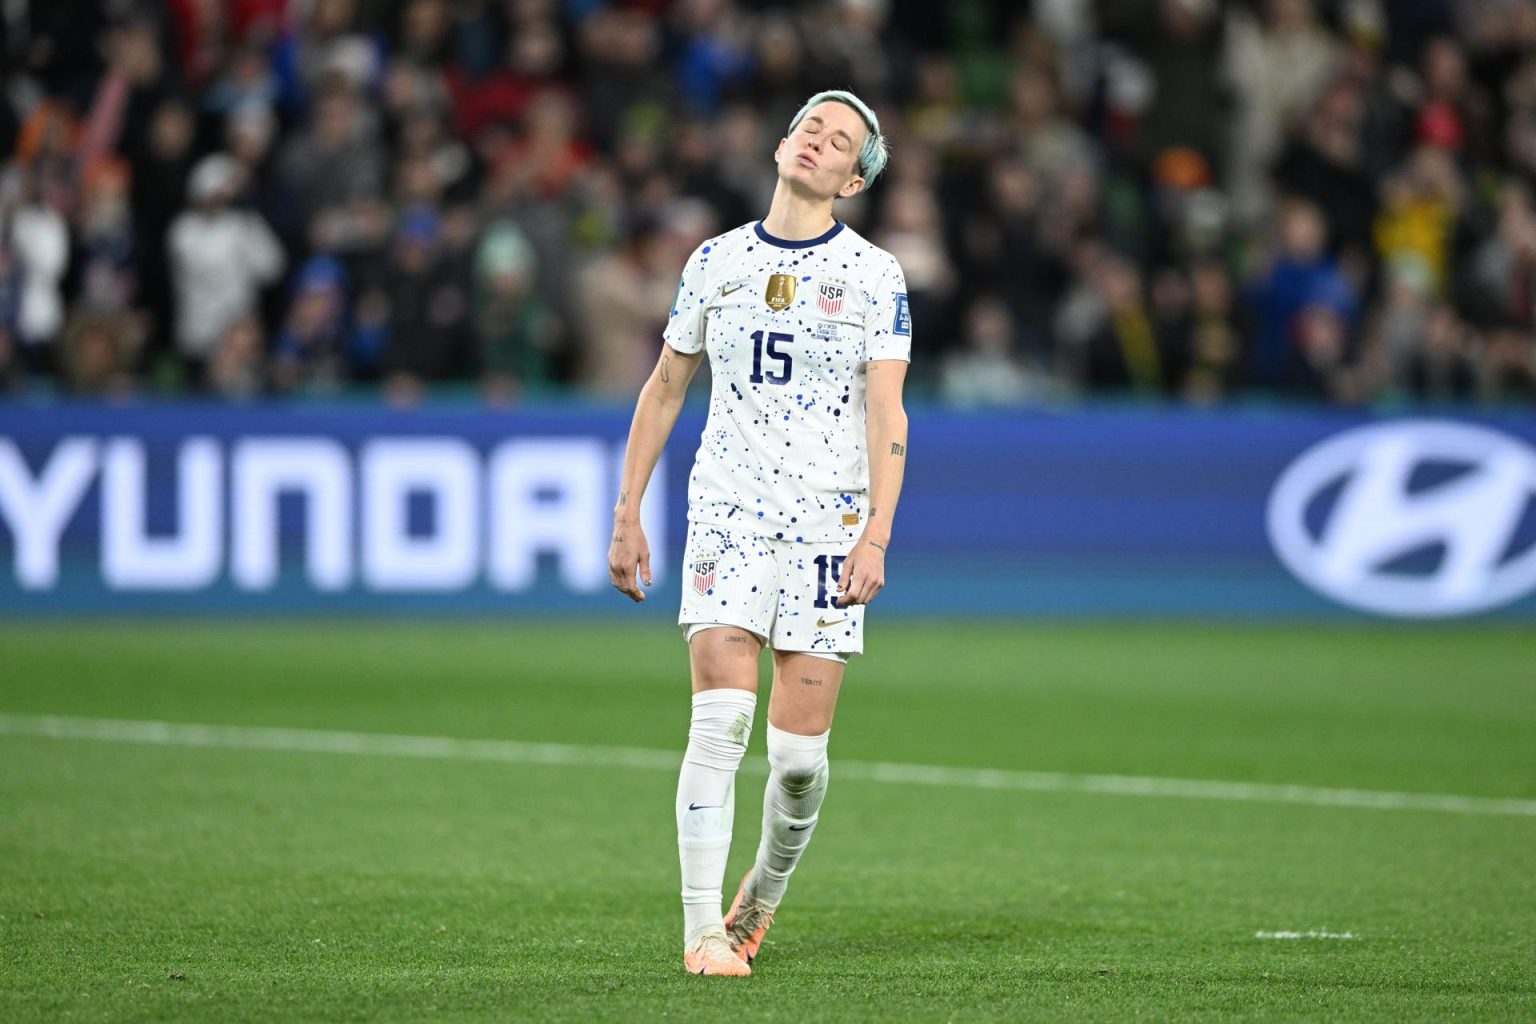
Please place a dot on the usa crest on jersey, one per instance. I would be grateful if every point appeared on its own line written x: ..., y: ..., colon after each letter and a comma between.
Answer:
x: 704, y: 573
x: 829, y: 297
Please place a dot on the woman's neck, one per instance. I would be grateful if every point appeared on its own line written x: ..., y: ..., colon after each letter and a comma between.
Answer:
x: 795, y: 217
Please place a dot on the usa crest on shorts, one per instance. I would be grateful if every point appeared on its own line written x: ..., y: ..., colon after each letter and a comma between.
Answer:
x: 704, y: 573
x: 829, y: 297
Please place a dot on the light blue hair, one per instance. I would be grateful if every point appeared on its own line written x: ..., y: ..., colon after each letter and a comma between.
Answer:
x: 875, y: 152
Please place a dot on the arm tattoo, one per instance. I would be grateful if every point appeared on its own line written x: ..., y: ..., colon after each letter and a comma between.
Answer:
x: 876, y: 544
x: 623, y: 498
x: 898, y: 448
x: 666, y: 372
x: 808, y: 681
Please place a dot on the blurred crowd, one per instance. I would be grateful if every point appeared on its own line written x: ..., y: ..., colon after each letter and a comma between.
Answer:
x: 1176, y: 200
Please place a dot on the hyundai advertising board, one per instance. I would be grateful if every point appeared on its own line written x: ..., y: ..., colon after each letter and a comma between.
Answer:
x: 1249, y: 513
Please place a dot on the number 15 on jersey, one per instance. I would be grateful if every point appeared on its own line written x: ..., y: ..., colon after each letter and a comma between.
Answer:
x: 785, y: 360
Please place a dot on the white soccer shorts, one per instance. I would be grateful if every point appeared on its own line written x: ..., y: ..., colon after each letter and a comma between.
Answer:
x: 784, y: 591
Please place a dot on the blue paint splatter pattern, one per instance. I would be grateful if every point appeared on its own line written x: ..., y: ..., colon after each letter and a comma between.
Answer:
x: 783, y: 449
x: 774, y: 588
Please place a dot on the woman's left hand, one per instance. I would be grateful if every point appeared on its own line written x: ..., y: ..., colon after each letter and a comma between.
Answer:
x: 863, y: 574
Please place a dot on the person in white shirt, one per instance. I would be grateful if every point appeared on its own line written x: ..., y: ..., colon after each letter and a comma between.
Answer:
x: 790, y: 502
x: 221, y: 258
x: 38, y: 239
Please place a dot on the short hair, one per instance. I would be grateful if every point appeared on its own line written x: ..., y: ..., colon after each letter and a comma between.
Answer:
x: 875, y: 151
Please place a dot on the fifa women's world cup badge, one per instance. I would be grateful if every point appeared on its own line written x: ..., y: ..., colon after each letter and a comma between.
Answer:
x: 704, y: 573
x: 781, y: 291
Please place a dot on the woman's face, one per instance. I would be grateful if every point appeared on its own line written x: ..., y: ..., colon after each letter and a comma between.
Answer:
x: 821, y: 155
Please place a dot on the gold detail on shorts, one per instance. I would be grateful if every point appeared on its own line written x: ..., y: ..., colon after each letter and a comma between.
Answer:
x: 850, y: 519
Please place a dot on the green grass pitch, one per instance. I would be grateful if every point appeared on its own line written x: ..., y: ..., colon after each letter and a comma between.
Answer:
x: 166, y: 882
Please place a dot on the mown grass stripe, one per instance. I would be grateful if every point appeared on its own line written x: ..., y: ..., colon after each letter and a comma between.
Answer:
x: 236, y: 737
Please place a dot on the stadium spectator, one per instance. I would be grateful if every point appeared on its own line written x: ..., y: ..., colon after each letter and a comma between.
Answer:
x: 334, y: 167
x: 1117, y: 347
x: 10, y: 306
x: 1443, y: 369
x: 1004, y: 251
x: 327, y: 39
x: 250, y: 131
x: 1301, y: 276
x: 1502, y: 276
x: 37, y: 238
x: 1322, y: 368
x: 99, y: 352
x: 516, y: 331
x: 1278, y: 64
x: 1325, y: 162
x: 912, y: 231
x: 1212, y: 342
x: 1180, y: 43
x: 104, y: 231
x: 221, y: 258
x: 427, y: 310
x: 627, y: 80
x: 236, y: 370
x: 1420, y: 205
x: 311, y: 349
x: 1510, y: 375
x: 10, y: 360
x: 160, y: 168
x: 628, y: 294
x: 987, y: 371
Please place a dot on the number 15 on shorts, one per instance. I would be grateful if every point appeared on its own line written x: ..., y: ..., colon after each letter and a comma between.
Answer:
x: 828, y: 568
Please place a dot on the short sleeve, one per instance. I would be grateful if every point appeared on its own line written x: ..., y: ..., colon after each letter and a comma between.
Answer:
x: 685, y: 322
x: 888, y: 329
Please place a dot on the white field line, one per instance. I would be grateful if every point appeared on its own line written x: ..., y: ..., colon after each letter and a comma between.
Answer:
x: 1314, y: 933
x: 446, y: 748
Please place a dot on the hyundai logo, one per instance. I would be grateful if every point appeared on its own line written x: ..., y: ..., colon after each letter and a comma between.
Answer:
x: 1416, y: 519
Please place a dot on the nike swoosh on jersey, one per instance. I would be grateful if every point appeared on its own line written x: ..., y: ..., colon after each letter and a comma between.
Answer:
x: 733, y: 288
x: 823, y: 623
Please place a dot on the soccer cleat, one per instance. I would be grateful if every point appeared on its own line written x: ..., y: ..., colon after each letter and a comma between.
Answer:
x: 746, y: 922
x: 712, y: 954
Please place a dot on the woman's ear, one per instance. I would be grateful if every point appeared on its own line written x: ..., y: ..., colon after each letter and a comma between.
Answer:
x: 853, y: 188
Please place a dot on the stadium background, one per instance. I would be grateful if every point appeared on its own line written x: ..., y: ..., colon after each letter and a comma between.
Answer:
x: 319, y: 327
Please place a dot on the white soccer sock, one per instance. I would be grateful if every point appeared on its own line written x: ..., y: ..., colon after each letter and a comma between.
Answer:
x: 706, y: 799
x: 797, y: 782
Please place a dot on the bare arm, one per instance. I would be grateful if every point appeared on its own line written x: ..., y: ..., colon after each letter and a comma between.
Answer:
x: 885, y: 430
x: 661, y: 399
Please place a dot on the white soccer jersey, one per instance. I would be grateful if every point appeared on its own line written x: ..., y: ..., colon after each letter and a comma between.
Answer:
x: 788, y: 327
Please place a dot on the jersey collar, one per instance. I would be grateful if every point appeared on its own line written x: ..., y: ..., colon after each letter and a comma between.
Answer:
x: 805, y: 243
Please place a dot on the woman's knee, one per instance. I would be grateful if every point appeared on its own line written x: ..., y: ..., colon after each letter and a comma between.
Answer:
x: 799, y: 761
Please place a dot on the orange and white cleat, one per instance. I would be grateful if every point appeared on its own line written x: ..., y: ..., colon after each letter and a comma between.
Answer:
x: 746, y: 922
x: 712, y: 954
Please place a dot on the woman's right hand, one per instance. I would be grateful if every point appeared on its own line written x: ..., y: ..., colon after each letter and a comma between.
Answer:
x: 628, y: 553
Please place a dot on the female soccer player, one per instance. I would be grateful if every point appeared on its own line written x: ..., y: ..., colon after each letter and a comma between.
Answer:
x: 790, y: 502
